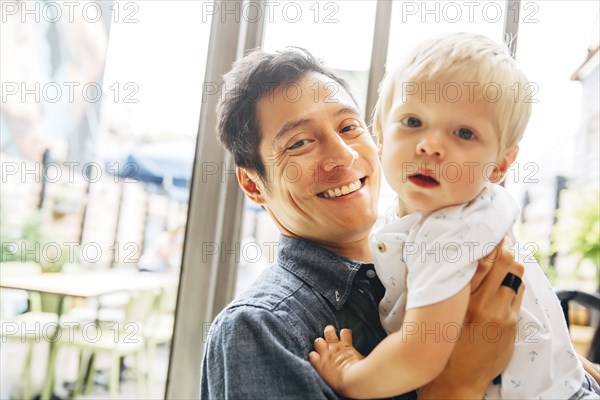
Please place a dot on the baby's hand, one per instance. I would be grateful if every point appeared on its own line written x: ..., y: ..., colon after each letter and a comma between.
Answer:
x: 334, y: 357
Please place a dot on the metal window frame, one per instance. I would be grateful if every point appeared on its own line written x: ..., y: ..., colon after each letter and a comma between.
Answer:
x: 379, y: 52
x: 207, y: 280
x: 511, y: 25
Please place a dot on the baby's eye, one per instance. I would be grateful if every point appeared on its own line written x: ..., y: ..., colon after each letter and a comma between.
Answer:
x: 298, y: 144
x: 412, y: 122
x: 465, y: 133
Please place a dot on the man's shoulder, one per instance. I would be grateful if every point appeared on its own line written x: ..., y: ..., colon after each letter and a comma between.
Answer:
x: 278, y: 299
x: 269, y: 291
x: 263, y: 329
x: 266, y: 314
x: 273, y: 295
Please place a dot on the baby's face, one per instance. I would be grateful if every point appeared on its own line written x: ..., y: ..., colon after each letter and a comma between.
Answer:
x: 440, y: 144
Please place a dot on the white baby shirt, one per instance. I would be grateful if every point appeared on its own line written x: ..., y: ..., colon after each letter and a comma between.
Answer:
x: 422, y: 259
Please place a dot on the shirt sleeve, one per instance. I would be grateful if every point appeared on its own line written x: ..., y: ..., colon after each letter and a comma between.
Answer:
x: 252, y: 353
x: 442, y: 254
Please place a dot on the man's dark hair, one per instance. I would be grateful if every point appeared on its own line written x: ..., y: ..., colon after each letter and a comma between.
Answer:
x: 245, y: 84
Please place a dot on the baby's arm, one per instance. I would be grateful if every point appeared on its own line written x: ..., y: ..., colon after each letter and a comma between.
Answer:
x: 404, y: 361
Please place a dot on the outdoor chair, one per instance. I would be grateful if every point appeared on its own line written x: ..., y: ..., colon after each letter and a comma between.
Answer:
x: 589, y: 300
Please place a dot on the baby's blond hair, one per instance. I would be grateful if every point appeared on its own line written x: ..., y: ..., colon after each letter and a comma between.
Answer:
x: 472, y: 58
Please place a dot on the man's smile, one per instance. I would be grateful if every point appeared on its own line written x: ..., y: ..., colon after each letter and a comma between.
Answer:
x: 342, y: 190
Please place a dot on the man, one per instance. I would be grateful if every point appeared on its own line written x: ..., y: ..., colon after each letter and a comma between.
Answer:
x: 304, y: 153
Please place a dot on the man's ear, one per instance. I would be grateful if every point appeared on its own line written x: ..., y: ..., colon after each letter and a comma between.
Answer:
x: 503, y: 164
x: 250, y: 184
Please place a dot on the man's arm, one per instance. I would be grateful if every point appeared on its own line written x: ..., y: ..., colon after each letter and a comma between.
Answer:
x: 590, y: 368
x: 253, y: 354
x: 476, y: 361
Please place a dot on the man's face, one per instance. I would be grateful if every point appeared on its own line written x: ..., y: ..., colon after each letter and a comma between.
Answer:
x: 437, y: 153
x: 322, y: 168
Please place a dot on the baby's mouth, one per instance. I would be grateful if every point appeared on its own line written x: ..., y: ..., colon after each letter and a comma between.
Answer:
x: 423, y: 180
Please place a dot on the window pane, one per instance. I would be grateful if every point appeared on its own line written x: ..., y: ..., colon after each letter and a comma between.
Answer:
x: 339, y: 33
x: 413, y: 22
x: 107, y: 133
x: 558, y: 51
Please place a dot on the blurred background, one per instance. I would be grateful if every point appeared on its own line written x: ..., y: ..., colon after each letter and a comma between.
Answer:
x: 107, y: 170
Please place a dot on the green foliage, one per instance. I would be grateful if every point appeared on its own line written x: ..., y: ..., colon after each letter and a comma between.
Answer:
x: 578, y: 230
x: 544, y: 263
x: 16, y: 240
x: 27, y: 244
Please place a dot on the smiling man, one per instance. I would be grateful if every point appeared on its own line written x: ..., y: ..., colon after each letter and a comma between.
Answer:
x: 317, y: 146
x: 304, y: 153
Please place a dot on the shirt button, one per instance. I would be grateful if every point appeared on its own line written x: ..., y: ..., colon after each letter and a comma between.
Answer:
x: 371, y: 274
x: 381, y: 247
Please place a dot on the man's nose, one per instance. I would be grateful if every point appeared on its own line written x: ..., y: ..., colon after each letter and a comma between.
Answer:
x: 338, y: 153
x: 431, y: 144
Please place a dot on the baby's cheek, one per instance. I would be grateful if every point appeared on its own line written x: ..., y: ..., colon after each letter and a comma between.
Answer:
x: 471, y: 183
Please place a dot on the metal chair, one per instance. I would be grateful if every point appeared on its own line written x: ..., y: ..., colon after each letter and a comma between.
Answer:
x: 29, y: 327
x: 589, y: 300
x: 117, y: 342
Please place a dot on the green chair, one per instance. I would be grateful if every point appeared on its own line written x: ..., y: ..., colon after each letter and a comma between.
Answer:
x: 29, y: 327
x: 116, y: 339
x: 159, y: 328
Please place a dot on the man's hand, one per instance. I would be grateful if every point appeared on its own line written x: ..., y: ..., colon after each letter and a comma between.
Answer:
x: 488, y: 337
x: 334, y: 356
x: 590, y: 368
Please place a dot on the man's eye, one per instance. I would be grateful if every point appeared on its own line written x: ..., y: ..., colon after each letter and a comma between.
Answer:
x: 298, y: 144
x: 465, y: 133
x: 349, y: 128
x: 412, y: 122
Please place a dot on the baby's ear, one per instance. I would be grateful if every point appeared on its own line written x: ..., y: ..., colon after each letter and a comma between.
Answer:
x: 377, y: 132
x: 379, y: 142
x: 503, y: 164
x: 377, y: 137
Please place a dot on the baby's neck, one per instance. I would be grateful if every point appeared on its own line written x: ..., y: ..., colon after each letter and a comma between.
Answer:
x: 402, y: 210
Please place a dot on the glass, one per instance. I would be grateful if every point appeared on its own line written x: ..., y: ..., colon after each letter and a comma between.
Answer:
x: 348, y: 29
x: 413, y: 22
x: 99, y: 115
x: 556, y: 172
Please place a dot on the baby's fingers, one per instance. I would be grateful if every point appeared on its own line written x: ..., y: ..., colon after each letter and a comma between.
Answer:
x: 315, y: 359
x: 346, y: 336
x: 321, y: 345
x: 330, y: 335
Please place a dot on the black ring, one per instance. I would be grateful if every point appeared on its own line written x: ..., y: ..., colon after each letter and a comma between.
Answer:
x: 512, y: 281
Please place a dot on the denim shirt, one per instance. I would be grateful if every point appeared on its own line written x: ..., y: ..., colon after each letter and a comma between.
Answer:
x: 258, y: 346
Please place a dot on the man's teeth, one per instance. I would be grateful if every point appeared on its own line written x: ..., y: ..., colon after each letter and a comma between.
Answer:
x: 346, y: 189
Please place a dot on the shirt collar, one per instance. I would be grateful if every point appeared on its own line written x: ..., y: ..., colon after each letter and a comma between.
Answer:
x: 328, y: 273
